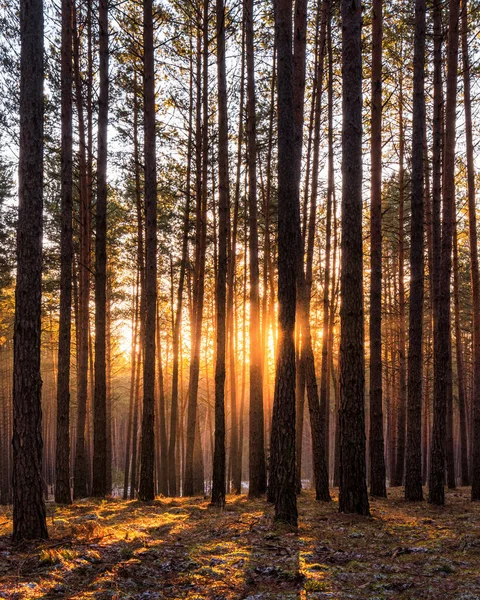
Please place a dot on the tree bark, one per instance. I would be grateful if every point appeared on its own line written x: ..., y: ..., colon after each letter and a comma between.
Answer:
x: 193, y: 482
x: 29, y: 521
x: 282, y: 447
x: 146, y: 491
x: 219, y: 460
x: 63, y: 493
x: 353, y: 489
x: 442, y: 356
x: 402, y: 374
x: 413, y: 474
x: 99, y: 483
x: 462, y: 402
x: 257, y: 468
x: 377, y: 451
x: 472, y: 226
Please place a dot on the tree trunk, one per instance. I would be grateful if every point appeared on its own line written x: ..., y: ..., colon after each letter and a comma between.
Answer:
x: 257, y: 474
x: 81, y: 469
x: 282, y: 448
x: 236, y: 443
x: 402, y: 375
x: 377, y: 451
x: 442, y: 356
x: 193, y: 479
x: 133, y: 372
x: 62, y: 461
x: 146, y: 491
x: 353, y: 488
x: 29, y: 521
x: 219, y: 461
x: 472, y: 226
x: 173, y: 487
x: 413, y: 474
x: 462, y: 402
x: 99, y: 483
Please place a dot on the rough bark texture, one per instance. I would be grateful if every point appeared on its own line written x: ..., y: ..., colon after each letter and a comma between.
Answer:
x: 353, y: 489
x: 442, y: 358
x: 377, y: 452
x: 282, y: 455
x: 402, y: 372
x: 413, y: 473
x: 62, y: 459
x: 173, y: 484
x: 462, y: 403
x: 304, y: 286
x: 193, y: 479
x: 146, y: 491
x: 472, y: 226
x: 99, y: 481
x: 219, y: 461
x: 257, y: 468
x: 29, y: 520
x: 80, y: 472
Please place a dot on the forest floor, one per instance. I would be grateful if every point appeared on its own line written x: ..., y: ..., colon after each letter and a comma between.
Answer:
x: 183, y: 548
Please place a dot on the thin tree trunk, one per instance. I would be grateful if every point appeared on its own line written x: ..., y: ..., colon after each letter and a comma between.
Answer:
x: 377, y: 451
x: 462, y: 404
x: 99, y: 483
x: 162, y: 464
x: 81, y: 477
x: 173, y: 484
x: 402, y: 374
x: 257, y: 475
x: 146, y: 490
x: 62, y: 462
x: 193, y: 482
x: 219, y: 460
x: 413, y: 475
x: 236, y: 443
x: 442, y: 355
x: 472, y: 226
x: 132, y: 389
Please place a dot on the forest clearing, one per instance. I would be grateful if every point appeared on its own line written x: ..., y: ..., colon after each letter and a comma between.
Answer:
x: 185, y: 548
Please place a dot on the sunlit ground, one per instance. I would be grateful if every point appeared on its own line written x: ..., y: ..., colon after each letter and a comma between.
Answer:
x: 183, y: 548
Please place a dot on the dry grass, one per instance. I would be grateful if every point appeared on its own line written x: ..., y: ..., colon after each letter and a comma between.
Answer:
x: 182, y: 548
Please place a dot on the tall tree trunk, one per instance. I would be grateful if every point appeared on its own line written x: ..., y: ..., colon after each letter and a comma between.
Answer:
x: 472, y: 226
x: 299, y: 69
x: 173, y: 488
x: 402, y: 372
x: 162, y: 466
x: 353, y: 488
x: 193, y: 478
x: 304, y: 285
x: 133, y: 372
x: 282, y: 454
x: 146, y: 491
x: 236, y: 443
x: 62, y: 461
x: 442, y: 356
x: 81, y: 470
x: 219, y: 461
x: 99, y: 483
x: 462, y: 402
x: 413, y: 474
x: 257, y: 468
x: 377, y: 451
x: 29, y: 520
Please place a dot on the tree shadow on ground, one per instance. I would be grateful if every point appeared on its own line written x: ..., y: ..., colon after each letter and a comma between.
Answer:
x: 183, y: 548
